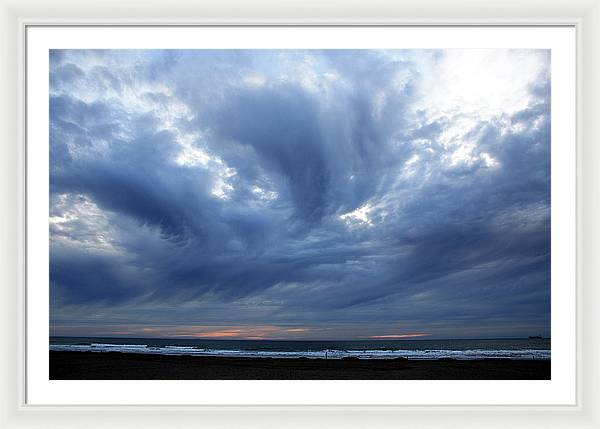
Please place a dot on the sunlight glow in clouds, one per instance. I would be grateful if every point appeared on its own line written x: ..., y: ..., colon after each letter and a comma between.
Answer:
x: 360, y: 215
x: 482, y: 82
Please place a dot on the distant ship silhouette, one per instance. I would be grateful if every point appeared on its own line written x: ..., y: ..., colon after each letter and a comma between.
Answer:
x: 535, y: 337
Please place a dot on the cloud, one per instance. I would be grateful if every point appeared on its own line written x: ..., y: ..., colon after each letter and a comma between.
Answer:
x: 344, y: 193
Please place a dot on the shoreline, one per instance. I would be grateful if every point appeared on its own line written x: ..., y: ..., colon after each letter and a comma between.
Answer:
x: 72, y: 365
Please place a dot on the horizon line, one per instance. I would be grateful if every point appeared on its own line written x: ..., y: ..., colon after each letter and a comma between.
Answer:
x: 367, y: 338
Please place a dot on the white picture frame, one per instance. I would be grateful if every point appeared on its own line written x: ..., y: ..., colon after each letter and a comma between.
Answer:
x: 16, y: 16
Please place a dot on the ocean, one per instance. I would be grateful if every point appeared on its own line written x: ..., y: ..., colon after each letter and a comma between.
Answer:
x: 533, y: 348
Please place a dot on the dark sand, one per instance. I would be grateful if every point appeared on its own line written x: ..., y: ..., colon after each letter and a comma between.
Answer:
x: 129, y: 366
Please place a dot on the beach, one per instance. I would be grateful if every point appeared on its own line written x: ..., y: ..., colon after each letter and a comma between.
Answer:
x: 67, y: 365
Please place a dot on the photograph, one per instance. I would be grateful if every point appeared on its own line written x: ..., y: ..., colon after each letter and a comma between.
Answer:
x: 299, y: 214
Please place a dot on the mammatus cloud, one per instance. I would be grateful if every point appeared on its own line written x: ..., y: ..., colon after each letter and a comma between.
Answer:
x: 300, y: 194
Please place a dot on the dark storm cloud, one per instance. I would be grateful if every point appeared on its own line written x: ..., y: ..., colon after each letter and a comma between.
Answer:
x: 293, y: 188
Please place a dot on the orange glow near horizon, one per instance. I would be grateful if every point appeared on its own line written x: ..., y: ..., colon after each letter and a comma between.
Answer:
x: 242, y: 333
x: 248, y: 332
x: 397, y: 336
x: 226, y: 333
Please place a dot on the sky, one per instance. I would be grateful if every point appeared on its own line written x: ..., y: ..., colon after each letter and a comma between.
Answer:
x: 300, y: 194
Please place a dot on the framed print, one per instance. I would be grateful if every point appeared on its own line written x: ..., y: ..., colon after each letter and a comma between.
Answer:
x: 212, y: 217
x: 257, y: 217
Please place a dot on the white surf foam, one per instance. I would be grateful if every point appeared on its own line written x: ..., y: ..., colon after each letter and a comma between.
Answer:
x: 311, y: 354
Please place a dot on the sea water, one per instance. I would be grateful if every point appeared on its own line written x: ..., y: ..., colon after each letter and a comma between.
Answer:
x: 533, y: 348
